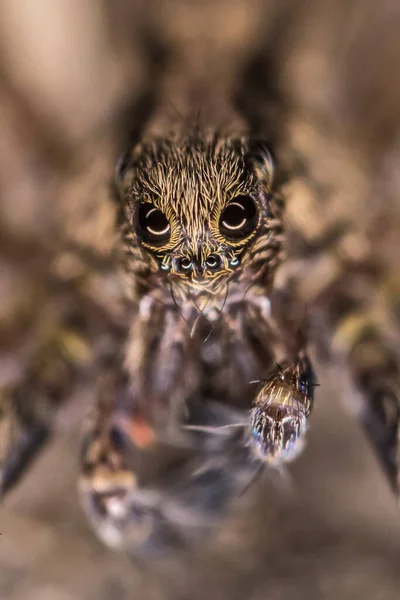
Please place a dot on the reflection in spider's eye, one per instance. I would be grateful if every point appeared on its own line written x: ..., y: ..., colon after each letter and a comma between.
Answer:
x: 154, y: 225
x: 239, y: 218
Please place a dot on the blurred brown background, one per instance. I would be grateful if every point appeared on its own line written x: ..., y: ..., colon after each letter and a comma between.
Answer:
x: 75, y: 79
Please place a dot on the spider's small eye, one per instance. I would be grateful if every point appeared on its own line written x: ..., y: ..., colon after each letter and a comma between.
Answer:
x: 184, y: 264
x: 213, y: 262
x: 154, y: 225
x: 239, y: 218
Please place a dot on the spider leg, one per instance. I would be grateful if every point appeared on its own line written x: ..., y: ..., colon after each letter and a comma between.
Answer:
x: 138, y: 407
x: 21, y: 437
x: 28, y: 408
x: 271, y: 423
x: 284, y: 399
x: 108, y: 483
x: 370, y: 346
x: 161, y: 366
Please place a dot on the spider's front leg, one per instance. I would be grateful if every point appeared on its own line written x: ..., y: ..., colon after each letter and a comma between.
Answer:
x: 131, y: 460
x: 274, y: 420
x: 161, y: 364
x: 285, y: 399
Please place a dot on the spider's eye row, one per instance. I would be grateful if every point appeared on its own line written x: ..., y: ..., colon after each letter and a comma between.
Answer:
x: 239, y: 218
x: 154, y: 225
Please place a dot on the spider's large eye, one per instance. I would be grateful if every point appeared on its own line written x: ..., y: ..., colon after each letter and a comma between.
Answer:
x: 239, y: 218
x: 154, y: 224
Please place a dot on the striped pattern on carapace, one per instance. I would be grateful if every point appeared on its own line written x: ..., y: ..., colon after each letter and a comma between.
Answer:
x: 192, y: 179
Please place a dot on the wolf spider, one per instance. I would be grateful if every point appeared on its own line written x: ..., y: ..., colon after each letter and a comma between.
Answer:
x: 215, y: 377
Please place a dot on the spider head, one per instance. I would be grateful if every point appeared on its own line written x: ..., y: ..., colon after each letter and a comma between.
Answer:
x: 196, y: 206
